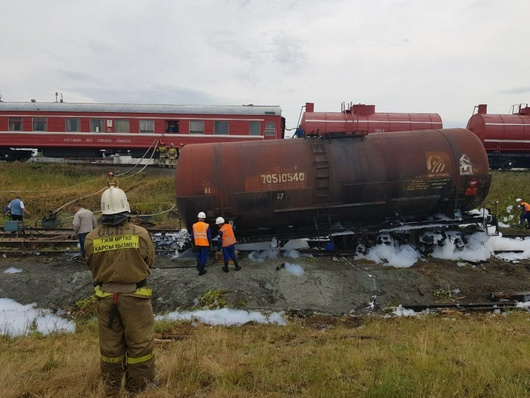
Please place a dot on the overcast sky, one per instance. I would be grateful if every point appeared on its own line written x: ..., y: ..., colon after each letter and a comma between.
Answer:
x: 403, y: 56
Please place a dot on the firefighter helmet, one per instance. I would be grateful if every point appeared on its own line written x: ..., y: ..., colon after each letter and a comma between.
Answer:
x: 114, y: 201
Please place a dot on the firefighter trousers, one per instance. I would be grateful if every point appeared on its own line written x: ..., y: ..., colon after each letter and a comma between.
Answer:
x: 126, y: 347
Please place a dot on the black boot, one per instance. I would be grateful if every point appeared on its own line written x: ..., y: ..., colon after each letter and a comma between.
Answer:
x: 225, y: 268
x: 237, y: 265
x: 202, y: 271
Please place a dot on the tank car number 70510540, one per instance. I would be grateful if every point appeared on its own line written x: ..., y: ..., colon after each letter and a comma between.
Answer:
x: 278, y: 178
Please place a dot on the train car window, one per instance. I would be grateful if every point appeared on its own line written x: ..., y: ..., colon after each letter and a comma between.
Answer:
x: 196, y: 127
x: 254, y: 128
x: 147, y: 126
x: 39, y: 124
x: 122, y: 126
x: 73, y: 124
x: 221, y: 128
x: 15, y: 124
x: 97, y: 125
x: 270, y: 128
x: 172, y: 126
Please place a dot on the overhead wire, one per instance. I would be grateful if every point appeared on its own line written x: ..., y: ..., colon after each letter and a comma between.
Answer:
x: 153, y: 147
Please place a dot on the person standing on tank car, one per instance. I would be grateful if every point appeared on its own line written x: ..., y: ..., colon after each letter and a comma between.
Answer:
x: 84, y: 222
x: 299, y: 132
x: 201, y: 237
x: 112, y: 181
x: 119, y: 255
x: 17, y: 209
x: 162, y: 151
x: 525, y: 212
x: 226, y: 242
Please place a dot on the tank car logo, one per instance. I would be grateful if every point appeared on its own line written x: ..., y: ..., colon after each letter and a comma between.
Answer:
x: 465, y: 165
x: 436, y: 162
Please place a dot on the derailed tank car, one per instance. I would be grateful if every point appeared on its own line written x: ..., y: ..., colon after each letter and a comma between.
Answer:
x: 306, y: 186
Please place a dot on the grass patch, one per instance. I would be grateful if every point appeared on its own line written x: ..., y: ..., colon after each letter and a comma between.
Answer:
x: 479, y: 355
x: 48, y: 187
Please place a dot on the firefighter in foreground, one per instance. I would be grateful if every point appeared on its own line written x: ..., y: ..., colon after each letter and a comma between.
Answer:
x: 227, y: 242
x: 120, y: 255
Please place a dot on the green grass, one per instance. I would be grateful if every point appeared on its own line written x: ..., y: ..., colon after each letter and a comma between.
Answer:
x: 479, y: 355
x: 49, y: 187
x: 506, y: 187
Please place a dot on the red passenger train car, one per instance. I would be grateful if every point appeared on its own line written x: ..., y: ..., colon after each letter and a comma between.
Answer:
x: 363, y: 119
x: 506, y: 137
x: 60, y: 129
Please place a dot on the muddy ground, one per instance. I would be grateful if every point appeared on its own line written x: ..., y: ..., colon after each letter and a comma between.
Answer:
x: 327, y: 284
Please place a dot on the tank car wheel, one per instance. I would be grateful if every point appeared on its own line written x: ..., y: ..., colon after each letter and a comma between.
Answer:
x: 424, y: 242
x: 347, y: 242
x: 457, y: 238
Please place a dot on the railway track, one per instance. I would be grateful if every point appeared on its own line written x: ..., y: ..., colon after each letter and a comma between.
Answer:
x: 472, y: 307
x: 53, y: 241
x: 60, y: 241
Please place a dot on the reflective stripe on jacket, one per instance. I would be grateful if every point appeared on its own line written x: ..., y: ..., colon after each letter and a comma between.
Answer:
x: 227, y: 234
x: 200, y: 234
x: 121, y: 253
x: 172, y: 152
x: 143, y: 291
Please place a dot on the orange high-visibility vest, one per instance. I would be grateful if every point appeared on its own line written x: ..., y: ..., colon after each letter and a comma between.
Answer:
x: 200, y: 234
x: 525, y: 206
x: 228, y: 235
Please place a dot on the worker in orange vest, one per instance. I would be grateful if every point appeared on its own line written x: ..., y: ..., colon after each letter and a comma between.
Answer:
x: 525, y: 213
x: 201, y: 238
x: 227, y: 243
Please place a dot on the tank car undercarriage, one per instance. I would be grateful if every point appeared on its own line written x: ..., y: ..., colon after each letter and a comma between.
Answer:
x: 350, y: 238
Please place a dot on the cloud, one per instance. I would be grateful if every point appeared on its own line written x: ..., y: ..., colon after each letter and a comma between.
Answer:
x: 520, y: 90
x: 403, y: 56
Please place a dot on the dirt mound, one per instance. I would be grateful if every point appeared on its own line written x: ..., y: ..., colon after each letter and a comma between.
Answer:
x: 326, y: 284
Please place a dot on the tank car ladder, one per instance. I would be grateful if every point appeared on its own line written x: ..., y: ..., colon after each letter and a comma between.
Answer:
x: 321, y: 162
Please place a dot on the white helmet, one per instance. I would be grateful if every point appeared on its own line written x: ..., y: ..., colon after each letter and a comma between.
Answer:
x: 518, y: 200
x: 201, y: 215
x: 219, y: 220
x: 114, y: 201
